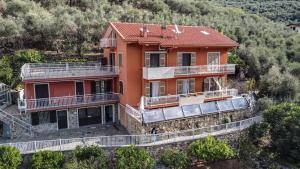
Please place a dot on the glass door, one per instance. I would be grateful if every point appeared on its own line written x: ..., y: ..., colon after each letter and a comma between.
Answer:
x: 108, y: 114
x: 79, y: 91
x: 42, y: 95
x: 62, y: 119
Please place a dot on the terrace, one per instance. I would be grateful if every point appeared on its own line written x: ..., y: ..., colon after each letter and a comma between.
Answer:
x: 179, y: 71
x: 43, y: 71
x: 174, y: 100
x: 30, y: 105
x: 108, y: 43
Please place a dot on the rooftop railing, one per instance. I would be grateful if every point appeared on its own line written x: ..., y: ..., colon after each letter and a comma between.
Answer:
x: 174, y: 99
x: 108, y: 43
x: 31, y: 71
x: 66, y: 101
x: 172, y: 72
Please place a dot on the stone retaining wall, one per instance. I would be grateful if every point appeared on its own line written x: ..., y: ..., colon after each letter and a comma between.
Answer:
x: 135, y: 127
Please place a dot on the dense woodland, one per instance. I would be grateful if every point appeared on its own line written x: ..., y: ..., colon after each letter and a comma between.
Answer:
x: 286, y: 11
x: 269, y: 52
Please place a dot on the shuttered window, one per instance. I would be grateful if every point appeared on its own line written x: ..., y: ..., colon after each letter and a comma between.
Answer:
x: 186, y: 58
x: 155, y: 59
x: 150, y: 88
x: 185, y: 86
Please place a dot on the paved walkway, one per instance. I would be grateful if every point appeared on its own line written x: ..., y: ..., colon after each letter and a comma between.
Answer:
x: 86, y: 131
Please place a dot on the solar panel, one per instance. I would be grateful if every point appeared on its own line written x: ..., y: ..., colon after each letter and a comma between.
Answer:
x: 191, y: 110
x: 240, y: 103
x: 225, y: 105
x: 209, y: 107
x: 151, y: 116
x: 173, y: 113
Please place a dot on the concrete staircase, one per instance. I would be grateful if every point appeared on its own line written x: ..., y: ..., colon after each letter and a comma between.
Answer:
x: 16, y: 126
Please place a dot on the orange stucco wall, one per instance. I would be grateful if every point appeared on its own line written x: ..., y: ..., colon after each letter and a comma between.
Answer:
x: 62, y: 88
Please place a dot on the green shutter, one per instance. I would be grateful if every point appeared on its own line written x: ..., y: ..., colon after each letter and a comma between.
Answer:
x: 162, y: 60
x: 147, y: 59
x: 162, y: 88
x: 193, y: 58
x: 206, y: 84
x: 147, y: 89
x: 179, y: 86
x: 179, y: 58
x: 192, y: 85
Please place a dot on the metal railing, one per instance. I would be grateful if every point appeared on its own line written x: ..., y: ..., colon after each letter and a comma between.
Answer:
x: 138, y: 140
x: 66, y: 101
x: 8, y: 118
x: 134, y: 113
x: 172, y: 72
x: 174, y: 99
x: 31, y: 71
x: 108, y: 43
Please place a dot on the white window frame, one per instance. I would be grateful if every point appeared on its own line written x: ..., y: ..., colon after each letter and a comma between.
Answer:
x: 214, y: 53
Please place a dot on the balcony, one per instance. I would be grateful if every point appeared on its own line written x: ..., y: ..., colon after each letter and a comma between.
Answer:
x: 108, y: 43
x: 188, y: 99
x: 30, y: 105
x: 172, y: 72
x: 42, y: 71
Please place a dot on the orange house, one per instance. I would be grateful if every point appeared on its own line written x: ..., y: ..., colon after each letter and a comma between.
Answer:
x: 157, y: 60
x: 145, y: 67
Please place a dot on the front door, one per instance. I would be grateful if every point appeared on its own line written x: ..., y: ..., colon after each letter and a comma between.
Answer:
x: 62, y: 119
x: 42, y: 95
x: 79, y: 91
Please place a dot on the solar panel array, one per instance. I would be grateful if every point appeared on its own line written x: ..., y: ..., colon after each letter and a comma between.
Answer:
x: 156, y: 115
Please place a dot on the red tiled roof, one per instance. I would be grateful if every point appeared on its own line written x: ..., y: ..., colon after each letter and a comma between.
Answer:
x: 190, y: 36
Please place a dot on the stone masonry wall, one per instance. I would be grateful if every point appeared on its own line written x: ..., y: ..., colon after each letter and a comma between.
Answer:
x: 187, y: 123
x: 73, y: 118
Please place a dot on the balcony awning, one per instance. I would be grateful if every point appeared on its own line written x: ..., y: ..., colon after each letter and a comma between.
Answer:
x: 164, y: 114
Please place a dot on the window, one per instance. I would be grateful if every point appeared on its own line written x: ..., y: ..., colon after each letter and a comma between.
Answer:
x: 155, y: 59
x: 185, y: 86
x: 121, y: 87
x: 120, y: 59
x: 155, y: 88
x: 213, y: 83
x: 213, y: 58
x: 186, y: 58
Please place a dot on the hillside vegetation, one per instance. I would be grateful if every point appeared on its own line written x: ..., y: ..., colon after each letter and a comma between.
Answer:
x: 271, y: 51
x: 287, y: 11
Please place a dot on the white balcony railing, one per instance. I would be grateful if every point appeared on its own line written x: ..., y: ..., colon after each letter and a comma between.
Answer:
x: 174, y: 99
x: 66, y: 101
x: 32, y: 71
x: 108, y: 43
x: 171, y: 72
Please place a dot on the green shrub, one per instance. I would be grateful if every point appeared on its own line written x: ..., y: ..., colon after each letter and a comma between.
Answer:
x: 174, y: 159
x: 91, y: 163
x: 47, y: 160
x: 10, y: 157
x: 133, y: 158
x: 91, y: 156
x: 210, y: 149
